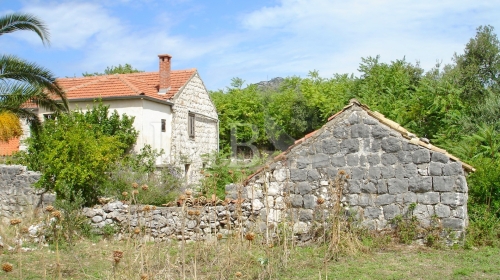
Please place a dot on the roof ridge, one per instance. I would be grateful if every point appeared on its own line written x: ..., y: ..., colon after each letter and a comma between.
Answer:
x: 90, y: 82
x: 129, y: 84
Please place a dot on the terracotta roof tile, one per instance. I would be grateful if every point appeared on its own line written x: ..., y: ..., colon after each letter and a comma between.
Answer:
x: 145, y: 83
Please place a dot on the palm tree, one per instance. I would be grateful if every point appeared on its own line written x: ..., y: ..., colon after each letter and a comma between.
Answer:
x: 24, y: 85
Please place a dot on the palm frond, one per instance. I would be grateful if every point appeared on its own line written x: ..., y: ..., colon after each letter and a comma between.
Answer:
x: 22, y: 21
x: 14, y: 68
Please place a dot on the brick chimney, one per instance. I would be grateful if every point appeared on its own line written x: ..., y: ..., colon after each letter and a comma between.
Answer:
x: 164, y: 73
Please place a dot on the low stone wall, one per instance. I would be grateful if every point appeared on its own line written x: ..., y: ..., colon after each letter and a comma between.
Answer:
x: 17, y: 196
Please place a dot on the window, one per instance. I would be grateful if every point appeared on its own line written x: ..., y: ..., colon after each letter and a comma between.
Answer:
x: 191, y: 125
x: 163, y: 125
x: 186, y: 171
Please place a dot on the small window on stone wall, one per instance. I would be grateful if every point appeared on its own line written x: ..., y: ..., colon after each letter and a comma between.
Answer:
x: 186, y: 171
x: 163, y: 125
x: 191, y: 125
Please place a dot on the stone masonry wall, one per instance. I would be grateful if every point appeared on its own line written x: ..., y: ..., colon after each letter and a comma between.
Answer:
x: 185, y: 150
x: 386, y: 174
x: 17, y: 196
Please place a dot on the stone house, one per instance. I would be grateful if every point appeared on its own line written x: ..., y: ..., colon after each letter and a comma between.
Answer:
x: 390, y: 172
x: 172, y: 110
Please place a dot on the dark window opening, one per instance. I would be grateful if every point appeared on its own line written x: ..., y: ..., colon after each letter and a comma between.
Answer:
x: 163, y: 125
x: 191, y: 125
x: 186, y: 171
x: 49, y: 116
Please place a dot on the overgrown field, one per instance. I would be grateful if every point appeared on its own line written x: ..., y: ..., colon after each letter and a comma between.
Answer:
x: 229, y: 258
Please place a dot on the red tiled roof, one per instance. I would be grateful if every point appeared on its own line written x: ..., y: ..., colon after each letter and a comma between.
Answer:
x: 121, y: 85
x: 9, y: 147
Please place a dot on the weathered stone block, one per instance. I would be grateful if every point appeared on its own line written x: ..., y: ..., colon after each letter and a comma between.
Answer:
x: 395, y: 186
x: 309, y: 201
x: 428, y: 198
x: 391, y: 145
x: 381, y: 186
x: 360, y: 131
x: 303, y: 188
x: 305, y: 215
x: 370, y: 121
x: 439, y: 157
x: 365, y: 200
x: 389, y: 159
x: 375, y: 146
x: 410, y: 170
x: 454, y: 223
x: 453, y: 168
x: 350, y: 145
x: 373, y: 159
x: 442, y: 211
x: 461, y: 184
x: 330, y: 146
x: 443, y: 183
x: 387, y: 172
x: 391, y: 211
x: 358, y: 173
x: 353, y: 199
x: 384, y: 199
x: 296, y: 200
x: 354, y: 186
x: 421, y: 156
x: 399, y: 171
x: 379, y: 132
x: 313, y: 175
x: 368, y: 187
x: 420, y: 184
x: 302, y: 162
x: 405, y: 157
x: 453, y: 199
x: 435, y: 168
x: 298, y: 175
x: 374, y: 172
x: 354, y: 118
x: 340, y: 132
x: 338, y: 161
x: 352, y: 159
x: 320, y: 160
x: 372, y: 212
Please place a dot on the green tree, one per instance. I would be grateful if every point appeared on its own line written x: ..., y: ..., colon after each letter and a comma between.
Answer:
x: 110, y: 70
x: 23, y: 83
x: 76, y: 152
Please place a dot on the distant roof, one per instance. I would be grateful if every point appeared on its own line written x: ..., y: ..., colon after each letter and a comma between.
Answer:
x: 124, y: 85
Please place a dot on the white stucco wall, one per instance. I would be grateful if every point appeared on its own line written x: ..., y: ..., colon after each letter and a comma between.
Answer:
x: 147, y: 122
x: 193, y: 98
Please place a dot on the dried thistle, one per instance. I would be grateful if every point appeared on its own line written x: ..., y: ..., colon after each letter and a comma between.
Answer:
x: 154, y: 207
x: 7, y: 267
x: 24, y: 230
x: 135, y: 185
x: 49, y: 208
x: 219, y: 236
x: 320, y: 200
x: 56, y: 214
x: 125, y: 194
x: 144, y: 187
x: 197, y: 213
x: 146, y: 208
x: 182, y: 197
x: 250, y: 236
x: 341, y: 172
x: 137, y: 230
x: 191, y: 212
x: 14, y: 222
x: 347, y: 176
x: 188, y: 193
x: 135, y: 192
x: 144, y: 276
x: 238, y: 274
x: 117, y: 256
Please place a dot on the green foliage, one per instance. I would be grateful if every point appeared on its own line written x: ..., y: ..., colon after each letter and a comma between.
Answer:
x: 125, y: 69
x: 484, y: 228
x: 219, y: 173
x: 76, y: 151
x: 406, y: 226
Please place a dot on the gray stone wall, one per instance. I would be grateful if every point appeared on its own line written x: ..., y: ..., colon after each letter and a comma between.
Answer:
x: 17, y: 196
x: 193, y: 98
x: 386, y: 175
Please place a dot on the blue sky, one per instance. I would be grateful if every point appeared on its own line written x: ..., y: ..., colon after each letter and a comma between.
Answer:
x: 255, y: 40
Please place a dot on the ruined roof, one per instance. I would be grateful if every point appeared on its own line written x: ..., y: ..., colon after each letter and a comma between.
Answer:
x: 382, y: 119
x: 124, y: 85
